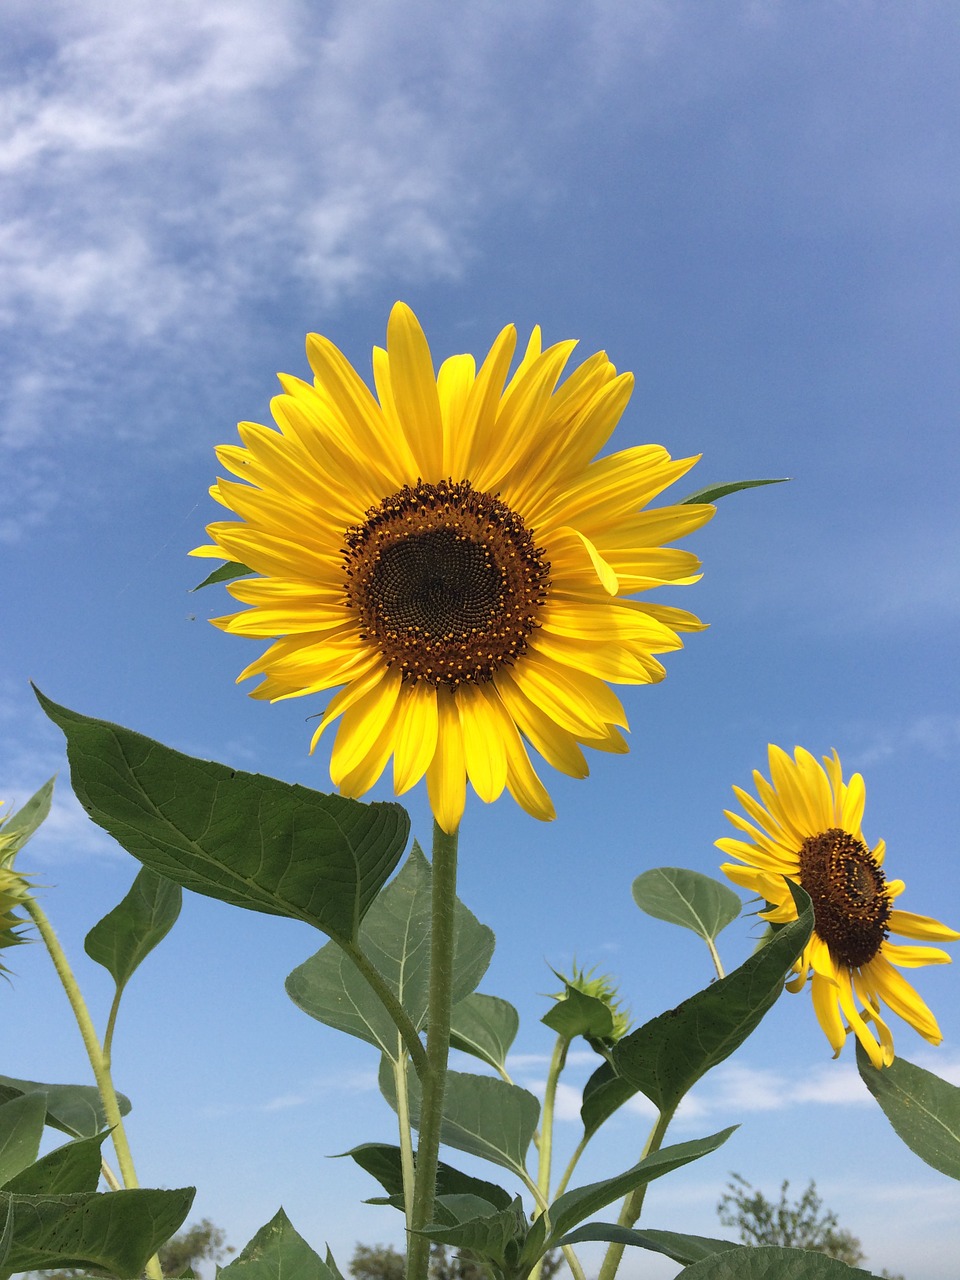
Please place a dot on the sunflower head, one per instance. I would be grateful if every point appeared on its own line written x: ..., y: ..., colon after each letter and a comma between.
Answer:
x: 13, y: 890
x: 599, y: 986
x: 805, y: 825
x: 449, y: 554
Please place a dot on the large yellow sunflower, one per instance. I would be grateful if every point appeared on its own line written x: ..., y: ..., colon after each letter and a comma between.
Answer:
x: 808, y: 829
x: 450, y: 557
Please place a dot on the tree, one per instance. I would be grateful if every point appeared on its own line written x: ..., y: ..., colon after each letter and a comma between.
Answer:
x: 801, y: 1225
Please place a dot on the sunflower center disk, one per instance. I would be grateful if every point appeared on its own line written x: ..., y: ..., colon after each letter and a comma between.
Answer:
x: 848, y: 890
x: 446, y: 580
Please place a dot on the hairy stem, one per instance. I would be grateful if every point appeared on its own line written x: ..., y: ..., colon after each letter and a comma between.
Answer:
x: 98, y: 1061
x: 442, y: 943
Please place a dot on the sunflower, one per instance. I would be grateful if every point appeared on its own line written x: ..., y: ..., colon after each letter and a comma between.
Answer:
x: 808, y: 829
x: 448, y: 556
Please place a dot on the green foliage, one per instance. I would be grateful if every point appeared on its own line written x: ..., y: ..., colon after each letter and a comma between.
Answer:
x: 687, y: 898
x: 771, y: 1263
x: 383, y: 1162
x: 72, y: 1108
x: 923, y: 1109
x: 800, y: 1224
x: 128, y: 933
x: 277, y: 1250
x: 14, y: 833
x: 485, y: 1027
x: 667, y: 1056
x: 224, y: 573
x: 713, y: 492
x: 241, y: 837
x: 395, y: 937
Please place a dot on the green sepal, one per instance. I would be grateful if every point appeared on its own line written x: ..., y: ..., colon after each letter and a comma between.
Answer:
x: 713, y: 492
x: 687, y: 898
x: 579, y: 1014
x: 20, y: 826
x: 72, y: 1108
x: 128, y: 933
x: 668, y: 1055
x: 225, y: 572
x: 923, y: 1109
x: 116, y: 1231
x: 277, y: 1250
x: 395, y: 938
x: 243, y: 838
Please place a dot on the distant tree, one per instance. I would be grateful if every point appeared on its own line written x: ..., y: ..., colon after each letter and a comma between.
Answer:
x: 804, y: 1224
x: 379, y: 1262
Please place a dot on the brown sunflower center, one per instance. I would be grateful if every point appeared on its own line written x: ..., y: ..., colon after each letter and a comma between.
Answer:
x: 446, y: 580
x: 846, y: 884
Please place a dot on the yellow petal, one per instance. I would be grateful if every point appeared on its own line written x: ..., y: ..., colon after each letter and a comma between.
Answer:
x: 362, y: 726
x: 415, y: 739
x: 447, y: 774
x: 484, y: 749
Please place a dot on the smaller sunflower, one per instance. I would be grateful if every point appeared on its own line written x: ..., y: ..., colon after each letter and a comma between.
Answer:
x: 808, y: 829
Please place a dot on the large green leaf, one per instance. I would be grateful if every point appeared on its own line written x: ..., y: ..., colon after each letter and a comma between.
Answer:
x: 668, y: 1055
x: 481, y: 1114
x: 383, y: 1162
x: 603, y: 1094
x: 395, y: 937
x: 687, y: 898
x: 712, y: 492
x: 73, y: 1167
x: 469, y: 1223
x: 132, y: 929
x: 246, y: 839
x: 770, y: 1262
x: 72, y: 1108
x: 21, y: 1128
x: 117, y: 1231
x: 20, y: 826
x: 484, y: 1026
x: 923, y: 1109
x: 679, y: 1247
x: 574, y: 1206
x: 277, y: 1252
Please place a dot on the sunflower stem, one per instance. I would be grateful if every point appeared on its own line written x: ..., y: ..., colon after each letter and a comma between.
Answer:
x: 98, y: 1059
x: 633, y: 1203
x: 545, y: 1151
x: 442, y: 942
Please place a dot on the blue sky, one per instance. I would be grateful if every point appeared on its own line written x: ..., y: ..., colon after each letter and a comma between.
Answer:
x: 753, y: 207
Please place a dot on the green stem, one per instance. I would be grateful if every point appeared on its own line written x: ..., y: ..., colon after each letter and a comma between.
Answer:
x: 406, y: 1137
x: 442, y: 943
x: 398, y: 1015
x: 715, y: 957
x: 633, y: 1204
x: 98, y: 1061
x: 545, y: 1146
x: 568, y: 1172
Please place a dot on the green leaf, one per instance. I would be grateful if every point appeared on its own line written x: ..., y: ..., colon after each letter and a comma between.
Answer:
x: 681, y: 1248
x: 224, y: 573
x: 20, y: 826
x: 21, y: 1128
x: 117, y: 1231
x: 578, y: 1014
x: 714, y: 491
x: 131, y: 930
x: 72, y: 1108
x: 246, y: 839
x: 395, y: 937
x: 668, y: 1055
x: 603, y: 1094
x: 466, y: 1222
x: 484, y: 1026
x: 481, y: 1114
x: 923, y: 1109
x: 383, y: 1162
x: 277, y: 1252
x: 687, y: 898
x: 73, y: 1167
x: 770, y: 1262
x: 573, y: 1206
